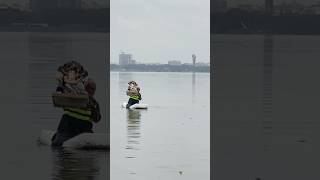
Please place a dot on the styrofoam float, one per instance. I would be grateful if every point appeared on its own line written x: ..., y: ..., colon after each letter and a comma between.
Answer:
x: 135, y: 106
x: 82, y: 141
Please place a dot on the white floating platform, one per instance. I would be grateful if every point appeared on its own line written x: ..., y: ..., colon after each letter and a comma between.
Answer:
x: 82, y: 141
x: 135, y: 106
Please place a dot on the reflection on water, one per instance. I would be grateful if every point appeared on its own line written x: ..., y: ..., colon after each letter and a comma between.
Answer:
x: 193, y: 87
x: 133, y: 129
x: 267, y: 90
x: 75, y: 165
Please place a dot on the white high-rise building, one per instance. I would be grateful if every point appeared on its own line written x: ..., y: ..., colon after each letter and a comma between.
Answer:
x: 125, y: 59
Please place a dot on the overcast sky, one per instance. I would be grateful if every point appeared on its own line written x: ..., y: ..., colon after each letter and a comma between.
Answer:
x: 160, y: 30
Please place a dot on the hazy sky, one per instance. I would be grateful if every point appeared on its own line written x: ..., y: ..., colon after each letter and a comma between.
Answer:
x: 160, y: 30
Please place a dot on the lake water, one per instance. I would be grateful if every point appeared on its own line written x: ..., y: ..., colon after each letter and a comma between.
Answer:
x: 266, y: 107
x: 169, y: 140
x: 28, y: 65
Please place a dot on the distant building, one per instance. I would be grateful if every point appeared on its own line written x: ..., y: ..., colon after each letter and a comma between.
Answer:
x: 69, y: 4
x: 269, y: 7
x: 291, y: 8
x: 247, y: 7
x: 219, y: 6
x: 133, y: 61
x: 125, y: 59
x: 94, y: 4
x: 174, y: 63
x: 202, y: 64
x: 43, y: 5
x: 309, y: 10
x: 315, y: 8
x: 4, y: 6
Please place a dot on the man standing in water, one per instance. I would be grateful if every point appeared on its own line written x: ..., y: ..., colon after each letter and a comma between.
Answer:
x: 75, y: 120
x: 133, y: 92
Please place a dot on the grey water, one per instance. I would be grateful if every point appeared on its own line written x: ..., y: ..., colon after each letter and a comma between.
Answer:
x: 169, y: 140
x: 28, y: 65
x: 266, y: 107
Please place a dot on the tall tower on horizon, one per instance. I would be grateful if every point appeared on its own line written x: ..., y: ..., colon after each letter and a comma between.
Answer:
x: 194, y: 57
x: 269, y: 7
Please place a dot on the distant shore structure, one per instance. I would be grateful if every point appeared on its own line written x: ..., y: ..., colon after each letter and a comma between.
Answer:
x: 43, y: 5
x: 269, y: 7
x: 126, y: 59
x: 126, y: 63
x: 174, y: 63
x: 194, y: 58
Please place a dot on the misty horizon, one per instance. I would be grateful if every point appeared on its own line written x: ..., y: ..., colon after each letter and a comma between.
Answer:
x: 164, y: 61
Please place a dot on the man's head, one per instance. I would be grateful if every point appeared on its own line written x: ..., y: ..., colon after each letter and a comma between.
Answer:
x: 90, y: 87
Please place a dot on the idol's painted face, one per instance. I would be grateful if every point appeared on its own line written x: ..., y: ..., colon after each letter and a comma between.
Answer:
x: 73, y: 75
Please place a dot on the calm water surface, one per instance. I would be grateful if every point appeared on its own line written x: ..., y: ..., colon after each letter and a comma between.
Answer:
x: 171, y: 139
x: 266, y: 107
